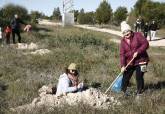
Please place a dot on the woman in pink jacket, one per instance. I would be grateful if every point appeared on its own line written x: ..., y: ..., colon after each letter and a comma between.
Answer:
x: 133, y: 45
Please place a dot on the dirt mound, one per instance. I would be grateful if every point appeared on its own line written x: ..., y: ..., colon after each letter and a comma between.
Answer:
x: 32, y: 46
x: 91, y: 97
x: 24, y: 46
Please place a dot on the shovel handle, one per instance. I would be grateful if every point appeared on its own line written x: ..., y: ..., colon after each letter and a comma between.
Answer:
x: 129, y: 62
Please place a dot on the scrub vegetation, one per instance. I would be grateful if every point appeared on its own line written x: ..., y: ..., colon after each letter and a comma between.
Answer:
x: 21, y: 75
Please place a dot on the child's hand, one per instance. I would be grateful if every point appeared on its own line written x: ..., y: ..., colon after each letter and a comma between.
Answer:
x: 80, y: 85
x: 27, y: 28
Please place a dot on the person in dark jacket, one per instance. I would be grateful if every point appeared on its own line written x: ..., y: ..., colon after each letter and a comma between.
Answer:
x: 138, y: 25
x: 145, y: 30
x: 153, y: 27
x: 133, y: 45
x: 15, y: 26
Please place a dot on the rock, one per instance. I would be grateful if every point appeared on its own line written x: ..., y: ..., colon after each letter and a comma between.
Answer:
x: 112, y: 99
x: 35, y: 100
x: 23, y: 46
x: 32, y: 46
x: 42, y: 94
x: 46, y: 89
x: 100, y: 103
x: 41, y: 52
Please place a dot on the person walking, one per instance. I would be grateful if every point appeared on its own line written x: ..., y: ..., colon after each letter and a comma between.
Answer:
x: 138, y: 25
x: 153, y: 28
x: 68, y: 81
x: 141, y: 24
x: 133, y: 46
x: 15, y: 26
x: 0, y: 35
x: 145, y: 30
x: 7, y: 34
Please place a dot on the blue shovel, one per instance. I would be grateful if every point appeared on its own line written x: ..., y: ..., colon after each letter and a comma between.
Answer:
x: 116, y: 84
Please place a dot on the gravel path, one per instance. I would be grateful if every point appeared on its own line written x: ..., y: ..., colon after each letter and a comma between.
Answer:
x: 157, y: 42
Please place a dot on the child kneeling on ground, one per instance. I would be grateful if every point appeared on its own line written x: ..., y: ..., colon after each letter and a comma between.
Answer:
x: 68, y: 81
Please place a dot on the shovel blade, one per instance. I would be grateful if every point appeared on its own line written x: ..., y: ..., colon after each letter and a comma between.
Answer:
x: 116, y: 87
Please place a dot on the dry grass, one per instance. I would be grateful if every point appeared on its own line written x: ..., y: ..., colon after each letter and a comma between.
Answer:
x: 98, y: 60
x: 161, y: 33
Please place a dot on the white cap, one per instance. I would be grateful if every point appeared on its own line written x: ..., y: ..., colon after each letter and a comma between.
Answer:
x: 125, y: 27
x: 16, y: 16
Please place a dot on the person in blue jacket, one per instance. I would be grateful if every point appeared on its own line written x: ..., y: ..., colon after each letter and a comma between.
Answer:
x: 68, y: 82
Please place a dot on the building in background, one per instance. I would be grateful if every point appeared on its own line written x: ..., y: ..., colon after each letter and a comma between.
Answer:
x: 68, y: 14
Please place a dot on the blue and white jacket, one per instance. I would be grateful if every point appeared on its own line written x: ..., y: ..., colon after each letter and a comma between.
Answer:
x: 64, y: 85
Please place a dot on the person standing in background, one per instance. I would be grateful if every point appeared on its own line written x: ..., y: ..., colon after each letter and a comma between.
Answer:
x: 7, y: 34
x: 153, y: 28
x: 138, y: 25
x: 0, y: 35
x: 145, y: 30
x: 15, y: 26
